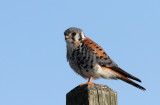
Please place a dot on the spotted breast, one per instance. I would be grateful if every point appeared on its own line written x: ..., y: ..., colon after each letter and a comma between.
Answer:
x: 83, y: 57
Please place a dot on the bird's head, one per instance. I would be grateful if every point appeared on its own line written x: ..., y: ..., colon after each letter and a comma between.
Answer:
x: 74, y: 34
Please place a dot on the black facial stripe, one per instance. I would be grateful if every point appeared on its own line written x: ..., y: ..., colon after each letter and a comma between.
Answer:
x: 73, y: 34
x: 80, y: 37
x: 73, y: 38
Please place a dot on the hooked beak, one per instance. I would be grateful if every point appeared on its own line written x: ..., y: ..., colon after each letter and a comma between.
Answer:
x: 67, y: 36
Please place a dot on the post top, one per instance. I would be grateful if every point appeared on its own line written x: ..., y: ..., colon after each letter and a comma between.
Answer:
x: 89, y: 87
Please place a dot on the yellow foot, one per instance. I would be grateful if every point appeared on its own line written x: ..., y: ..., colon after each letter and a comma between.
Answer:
x: 87, y: 83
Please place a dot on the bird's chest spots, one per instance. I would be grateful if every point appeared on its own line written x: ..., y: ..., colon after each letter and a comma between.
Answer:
x: 82, y: 59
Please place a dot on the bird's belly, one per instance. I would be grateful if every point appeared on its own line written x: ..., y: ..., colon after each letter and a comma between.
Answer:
x: 86, y: 72
x: 96, y: 72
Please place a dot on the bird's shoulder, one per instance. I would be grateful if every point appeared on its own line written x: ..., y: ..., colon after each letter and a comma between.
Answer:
x: 96, y: 49
x: 101, y: 56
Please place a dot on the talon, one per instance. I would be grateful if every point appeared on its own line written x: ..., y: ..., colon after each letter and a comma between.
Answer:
x: 89, y: 82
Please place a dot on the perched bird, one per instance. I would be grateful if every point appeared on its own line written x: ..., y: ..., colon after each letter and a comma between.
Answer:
x: 89, y: 60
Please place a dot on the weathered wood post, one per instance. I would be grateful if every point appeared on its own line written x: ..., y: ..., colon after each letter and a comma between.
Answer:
x: 91, y: 95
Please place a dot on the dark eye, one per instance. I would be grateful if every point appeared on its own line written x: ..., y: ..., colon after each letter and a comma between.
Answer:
x: 73, y: 33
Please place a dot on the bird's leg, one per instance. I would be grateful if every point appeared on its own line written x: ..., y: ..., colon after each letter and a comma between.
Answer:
x: 89, y: 81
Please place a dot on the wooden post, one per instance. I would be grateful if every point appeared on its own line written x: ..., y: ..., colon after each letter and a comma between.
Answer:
x: 91, y: 95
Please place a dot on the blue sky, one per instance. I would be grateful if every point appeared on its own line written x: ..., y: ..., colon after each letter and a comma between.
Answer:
x: 33, y: 66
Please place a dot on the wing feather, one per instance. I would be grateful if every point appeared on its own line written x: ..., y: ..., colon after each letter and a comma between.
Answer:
x: 104, y: 60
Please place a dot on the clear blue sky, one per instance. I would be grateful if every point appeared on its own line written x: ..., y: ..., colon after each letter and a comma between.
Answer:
x: 33, y: 65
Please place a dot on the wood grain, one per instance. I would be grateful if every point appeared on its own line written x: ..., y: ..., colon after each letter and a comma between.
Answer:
x: 91, y: 94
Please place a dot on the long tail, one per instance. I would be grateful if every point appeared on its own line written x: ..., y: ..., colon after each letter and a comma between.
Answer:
x: 131, y: 82
x: 119, y: 70
x: 122, y: 75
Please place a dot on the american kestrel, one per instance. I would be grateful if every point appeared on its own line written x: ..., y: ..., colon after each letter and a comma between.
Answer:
x: 89, y: 60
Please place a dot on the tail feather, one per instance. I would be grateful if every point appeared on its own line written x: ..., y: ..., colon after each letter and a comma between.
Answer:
x: 132, y: 83
x: 122, y: 75
x: 119, y: 70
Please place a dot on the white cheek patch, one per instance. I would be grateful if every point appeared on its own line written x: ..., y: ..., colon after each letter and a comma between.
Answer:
x: 79, y: 37
x: 76, y: 37
x: 82, y: 34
